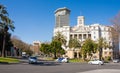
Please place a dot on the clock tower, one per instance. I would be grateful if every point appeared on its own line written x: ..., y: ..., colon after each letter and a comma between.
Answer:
x: 80, y: 21
x: 62, y: 17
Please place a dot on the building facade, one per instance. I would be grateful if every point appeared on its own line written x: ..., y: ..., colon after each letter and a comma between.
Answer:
x: 36, y: 47
x: 81, y: 32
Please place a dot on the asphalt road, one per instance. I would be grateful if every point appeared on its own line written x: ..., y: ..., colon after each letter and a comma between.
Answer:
x: 52, y: 67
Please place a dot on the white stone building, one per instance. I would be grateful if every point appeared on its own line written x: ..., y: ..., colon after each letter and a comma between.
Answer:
x: 81, y: 31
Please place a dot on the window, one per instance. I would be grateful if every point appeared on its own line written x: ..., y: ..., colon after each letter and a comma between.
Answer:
x: 110, y: 53
x: 75, y: 36
x: 89, y: 35
x: 104, y: 29
x: 80, y: 21
x: 71, y: 36
x: 80, y: 36
x: 84, y: 36
x: 105, y: 53
x: 105, y: 48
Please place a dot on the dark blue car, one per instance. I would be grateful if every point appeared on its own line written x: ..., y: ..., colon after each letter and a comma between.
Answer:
x: 62, y: 60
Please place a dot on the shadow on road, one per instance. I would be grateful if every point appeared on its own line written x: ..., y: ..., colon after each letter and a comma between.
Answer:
x: 46, y: 64
x: 40, y: 62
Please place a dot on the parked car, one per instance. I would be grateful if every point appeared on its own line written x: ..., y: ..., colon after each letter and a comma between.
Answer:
x: 116, y: 60
x: 97, y: 62
x: 65, y: 60
x: 32, y: 59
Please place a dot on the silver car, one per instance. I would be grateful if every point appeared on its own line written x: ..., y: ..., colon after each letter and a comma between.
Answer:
x: 32, y: 60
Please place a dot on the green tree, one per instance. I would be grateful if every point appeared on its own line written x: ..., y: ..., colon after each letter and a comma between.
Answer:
x: 74, y: 43
x: 88, y: 48
x: 46, y: 48
x: 57, y: 42
x: 56, y: 48
x: 5, y: 24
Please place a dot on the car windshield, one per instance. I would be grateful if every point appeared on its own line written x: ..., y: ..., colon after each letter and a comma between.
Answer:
x: 33, y: 58
x: 95, y: 60
x: 60, y: 58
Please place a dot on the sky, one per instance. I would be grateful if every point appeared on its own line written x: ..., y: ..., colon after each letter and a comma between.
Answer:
x: 35, y: 20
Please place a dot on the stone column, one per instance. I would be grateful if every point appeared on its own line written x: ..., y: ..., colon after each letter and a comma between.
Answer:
x: 77, y: 54
x: 77, y: 36
x: 86, y: 35
x: 82, y: 37
x: 73, y: 35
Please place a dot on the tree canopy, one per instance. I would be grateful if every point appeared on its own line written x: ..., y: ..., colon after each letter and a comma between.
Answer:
x: 102, y: 44
x: 46, y: 48
x: 88, y: 48
x: 56, y: 48
x: 5, y: 21
x: 74, y: 43
x: 5, y: 24
x: 60, y: 37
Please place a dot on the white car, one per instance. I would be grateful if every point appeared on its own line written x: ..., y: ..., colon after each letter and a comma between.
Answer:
x: 97, y: 62
x: 65, y: 60
x: 116, y: 61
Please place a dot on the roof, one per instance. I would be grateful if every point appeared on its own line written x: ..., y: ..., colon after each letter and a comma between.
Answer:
x: 60, y: 9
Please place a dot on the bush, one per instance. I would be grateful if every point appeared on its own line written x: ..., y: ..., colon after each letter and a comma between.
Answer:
x: 107, y: 59
x: 76, y: 60
x: 9, y: 60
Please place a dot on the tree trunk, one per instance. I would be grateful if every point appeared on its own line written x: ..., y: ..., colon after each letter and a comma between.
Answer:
x: 3, y: 49
x: 55, y: 55
x: 100, y: 54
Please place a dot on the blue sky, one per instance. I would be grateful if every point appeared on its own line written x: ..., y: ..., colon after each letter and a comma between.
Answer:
x: 34, y: 19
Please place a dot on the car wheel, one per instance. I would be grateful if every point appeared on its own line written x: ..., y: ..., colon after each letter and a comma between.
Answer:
x: 29, y: 62
x: 90, y: 63
x: 99, y: 64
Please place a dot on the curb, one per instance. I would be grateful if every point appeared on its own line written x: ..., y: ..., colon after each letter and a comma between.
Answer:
x: 4, y: 63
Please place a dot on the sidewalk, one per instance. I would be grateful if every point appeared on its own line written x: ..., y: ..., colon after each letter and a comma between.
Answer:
x: 102, y: 71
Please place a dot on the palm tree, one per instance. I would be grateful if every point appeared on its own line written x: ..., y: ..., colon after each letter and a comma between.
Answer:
x: 101, y: 44
x: 57, y: 42
x: 74, y: 43
x: 5, y: 24
x: 60, y: 38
